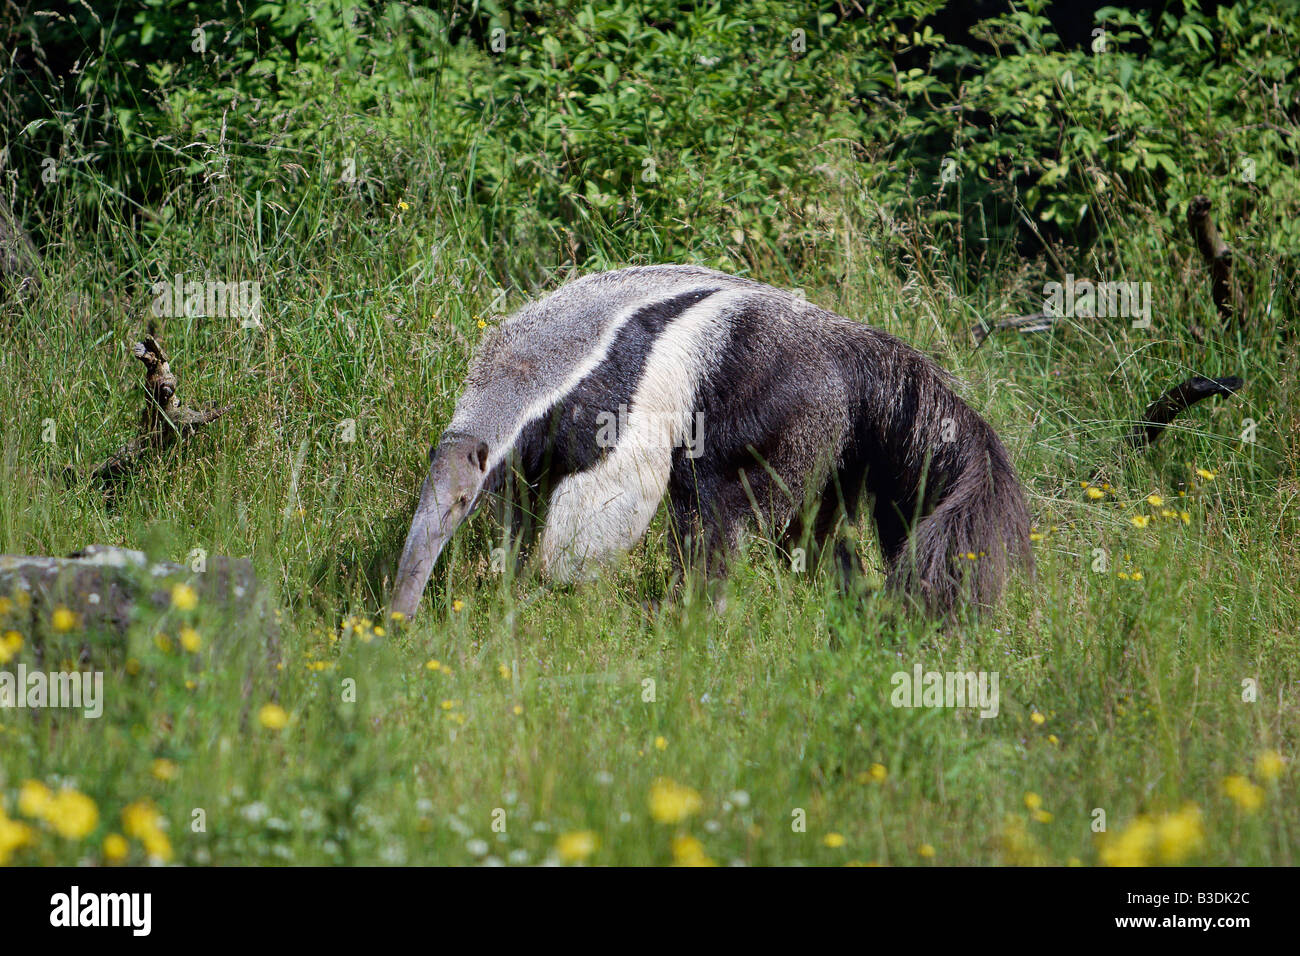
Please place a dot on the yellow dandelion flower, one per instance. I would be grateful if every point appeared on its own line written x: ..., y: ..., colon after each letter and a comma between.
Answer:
x: 1206, y: 474
x: 517, y: 709
x: 458, y: 605
x: 1035, y: 536
x: 1179, y: 835
x: 1269, y: 765
x: 1037, y: 718
x: 1186, y: 516
x: 164, y: 769
x: 64, y: 620
x: 1140, y: 521
x: 577, y: 846
x: 1246, y: 795
x: 184, y: 597
x: 33, y: 799
x: 1095, y: 493
x: 72, y: 815
x: 13, y: 836
x: 1033, y: 801
x: 10, y: 644
x: 671, y: 802
x: 190, y: 640
x: 397, y: 617
x: 273, y: 717
x: 1155, y: 500
x: 833, y: 840
x: 1042, y: 816
x: 1053, y: 739
x: 482, y: 324
x: 661, y: 743
x: 926, y: 851
x: 116, y: 848
x: 1131, y: 846
x: 403, y: 205
x: 433, y: 665
x: 1168, y: 513
x: 688, y: 851
x: 503, y: 671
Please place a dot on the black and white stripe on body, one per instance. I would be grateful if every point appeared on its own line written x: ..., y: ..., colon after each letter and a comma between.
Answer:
x: 796, y: 403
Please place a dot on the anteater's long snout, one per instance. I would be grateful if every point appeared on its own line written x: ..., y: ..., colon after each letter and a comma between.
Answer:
x: 430, y: 531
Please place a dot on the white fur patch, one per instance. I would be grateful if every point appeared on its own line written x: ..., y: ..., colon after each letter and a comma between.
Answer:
x: 543, y: 404
x: 597, y: 515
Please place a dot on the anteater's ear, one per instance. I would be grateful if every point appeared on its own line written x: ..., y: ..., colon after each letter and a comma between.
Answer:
x: 481, y: 456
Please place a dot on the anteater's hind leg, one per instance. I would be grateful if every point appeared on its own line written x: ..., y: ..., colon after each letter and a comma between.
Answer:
x: 837, y: 506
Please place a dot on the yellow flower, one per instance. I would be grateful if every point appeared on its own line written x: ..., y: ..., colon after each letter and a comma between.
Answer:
x: 833, y: 840
x: 457, y: 605
x: 13, y: 836
x: 1042, y: 816
x: 1140, y: 521
x: 139, y: 818
x: 1168, y: 513
x: 73, y: 815
x: 115, y: 848
x: 1035, y: 536
x: 433, y: 665
x: 164, y: 769
x: 1095, y: 493
x: 517, y: 709
x: 273, y: 717
x: 403, y: 204
x: 190, y: 640
x: 1132, y: 846
x: 1180, y: 835
x: 1269, y: 765
x: 577, y: 846
x: 661, y: 743
x: 397, y: 617
x: 688, y: 851
x: 1246, y: 795
x: 10, y: 644
x: 1137, y: 575
x: 1053, y: 739
x: 503, y: 671
x: 184, y: 597
x: 63, y: 620
x: 877, y: 773
x: 671, y: 802
x: 482, y: 324
x: 1033, y: 801
x: 1037, y: 718
x: 1186, y: 516
x: 1206, y: 474
x: 1155, y: 500
x: 33, y: 798
x: 6, y: 606
x: 925, y: 850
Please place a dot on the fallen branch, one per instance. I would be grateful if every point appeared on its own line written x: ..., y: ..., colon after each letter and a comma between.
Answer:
x: 1024, y: 324
x: 1218, y: 257
x: 1177, y: 400
x: 163, y: 421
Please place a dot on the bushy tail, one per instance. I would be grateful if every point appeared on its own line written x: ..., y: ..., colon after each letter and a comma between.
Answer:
x: 977, y: 531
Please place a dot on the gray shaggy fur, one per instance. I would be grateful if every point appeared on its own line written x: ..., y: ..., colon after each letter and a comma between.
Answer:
x: 800, y: 407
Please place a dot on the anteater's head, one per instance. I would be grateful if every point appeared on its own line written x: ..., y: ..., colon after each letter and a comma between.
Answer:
x: 451, y: 492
